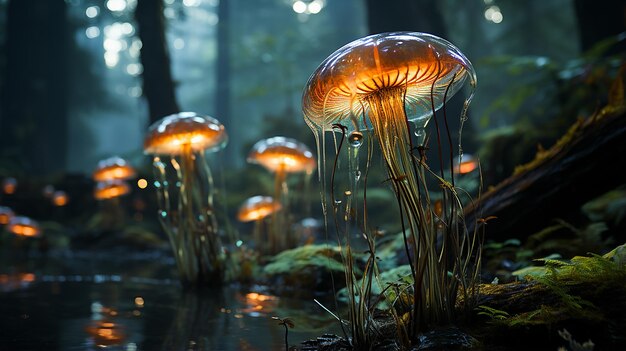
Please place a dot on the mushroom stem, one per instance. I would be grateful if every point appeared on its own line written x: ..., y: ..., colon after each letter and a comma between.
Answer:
x: 407, y: 176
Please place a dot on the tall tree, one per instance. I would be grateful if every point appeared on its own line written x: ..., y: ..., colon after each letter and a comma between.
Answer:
x: 222, y: 108
x: 158, y: 85
x: 33, y: 118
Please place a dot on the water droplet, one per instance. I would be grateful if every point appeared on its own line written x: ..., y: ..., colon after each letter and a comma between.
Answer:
x: 355, y: 139
x: 357, y: 175
x: 337, y: 202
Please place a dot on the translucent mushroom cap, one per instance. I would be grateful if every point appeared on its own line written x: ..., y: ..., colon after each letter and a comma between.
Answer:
x: 257, y: 207
x: 173, y: 134
x: 5, y: 215
x: 280, y: 153
x: 417, y: 62
x: 113, y: 168
x: 24, y: 226
x: 111, y: 189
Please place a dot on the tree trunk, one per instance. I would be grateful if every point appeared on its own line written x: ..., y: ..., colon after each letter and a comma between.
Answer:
x: 33, y: 117
x: 223, y: 78
x: 158, y: 86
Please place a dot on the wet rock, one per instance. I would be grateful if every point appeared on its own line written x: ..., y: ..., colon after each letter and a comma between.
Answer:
x: 449, y: 339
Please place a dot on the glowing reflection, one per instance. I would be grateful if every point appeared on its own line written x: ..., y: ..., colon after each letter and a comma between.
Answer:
x: 105, y: 333
x: 258, y: 304
x: 16, y: 281
x: 139, y: 302
x: 134, y: 69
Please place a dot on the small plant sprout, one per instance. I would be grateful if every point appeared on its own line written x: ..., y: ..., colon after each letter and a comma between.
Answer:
x: 287, y: 323
x: 185, y: 190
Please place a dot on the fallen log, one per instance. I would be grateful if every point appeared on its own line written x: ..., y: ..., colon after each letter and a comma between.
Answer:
x: 585, y: 163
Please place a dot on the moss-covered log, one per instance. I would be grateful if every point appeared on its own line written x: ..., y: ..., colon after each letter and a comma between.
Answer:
x: 582, y: 165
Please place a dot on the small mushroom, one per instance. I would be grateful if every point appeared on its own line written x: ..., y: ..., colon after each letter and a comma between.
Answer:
x: 113, y: 168
x: 23, y: 226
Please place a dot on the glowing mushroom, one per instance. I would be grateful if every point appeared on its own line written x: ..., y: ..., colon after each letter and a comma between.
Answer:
x: 9, y: 185
x: 113, y: 168
x: 388, y: 84
x: 5, y: 215
x: 185, y: 191
x: 465, y: 164
x: 23, y: 226
x: 256, y: 209
x: 60, y: 198
x: 281, y: 156
x: 110, y: 189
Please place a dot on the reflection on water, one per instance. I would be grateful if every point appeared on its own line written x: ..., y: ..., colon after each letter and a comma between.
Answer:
x: 119, y: 312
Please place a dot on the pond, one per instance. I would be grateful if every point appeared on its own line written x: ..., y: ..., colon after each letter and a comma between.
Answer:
x: 121, y: 301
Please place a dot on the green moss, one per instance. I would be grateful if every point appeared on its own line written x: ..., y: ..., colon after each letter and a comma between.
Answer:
x: 300, y: 260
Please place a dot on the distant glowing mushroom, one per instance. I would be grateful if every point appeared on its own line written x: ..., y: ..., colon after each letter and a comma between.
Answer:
x: 5, y: 215
x: 9, y: 185
x: 185, y: 191
x: 465, y: 164
x: 111, y: 189
x: 23, y: 226
x: 281, y: 156
x: 256, y: 209
x: 60, y: 198
x: 388, y: 83
x: 113, y: 168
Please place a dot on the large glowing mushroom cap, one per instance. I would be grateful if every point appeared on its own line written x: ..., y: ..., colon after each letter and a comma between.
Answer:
x: 421, y: 66
x: 111, y: 168
x: 23, y: 226
x: 257, y: 207
x: 185, y: 131
x: 282, y: 154
x: 111, y: 189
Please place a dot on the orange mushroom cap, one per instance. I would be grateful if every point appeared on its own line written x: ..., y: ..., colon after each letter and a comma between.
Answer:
x: 257, y: 207
x: 467, y: 164
x: 280, y: 153
x: 24, y: 226
x: 111, y: 189
x: 170, y: 134
x: 5, y: 215
x: 419, y: 63
x: 113, y: 168
x: 60, y: 198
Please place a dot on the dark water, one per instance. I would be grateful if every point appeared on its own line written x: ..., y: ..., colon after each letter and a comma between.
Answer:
x: 95, y: 302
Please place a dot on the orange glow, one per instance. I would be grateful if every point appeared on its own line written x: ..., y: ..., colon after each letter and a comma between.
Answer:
x: 111, y: 189
x: 171, y: 134
x: 60, y: 198
x: 139, y: 301
x: 259, y: 302
x: 105, y: 333
x: 257, y: 208
x: 5, y: 215
x: 113, y: 168
x: 467, y: 164
x: 9, y: 185
x: 142, y: 183
x: 23, y: 226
